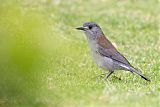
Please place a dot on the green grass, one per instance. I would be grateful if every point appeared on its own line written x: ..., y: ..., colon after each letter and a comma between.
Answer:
x: 45, y: 62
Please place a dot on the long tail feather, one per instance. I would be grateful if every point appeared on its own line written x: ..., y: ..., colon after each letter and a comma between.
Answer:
x: 132, y: 69
x: 139, y: 73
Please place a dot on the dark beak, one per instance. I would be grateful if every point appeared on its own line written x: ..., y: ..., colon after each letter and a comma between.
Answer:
x: 82, y: 28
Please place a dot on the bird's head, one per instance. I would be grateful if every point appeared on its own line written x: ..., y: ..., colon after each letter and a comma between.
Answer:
x: 92, y: 30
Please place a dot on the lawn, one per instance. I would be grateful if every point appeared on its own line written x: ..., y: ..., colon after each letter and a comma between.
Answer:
x: 46, y: 62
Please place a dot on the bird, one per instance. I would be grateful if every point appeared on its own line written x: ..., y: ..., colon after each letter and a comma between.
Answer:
x: 104, y: 54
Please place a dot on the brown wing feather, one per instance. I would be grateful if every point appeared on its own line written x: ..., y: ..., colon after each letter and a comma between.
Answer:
x: 107, y: 49
x: 104, y: 42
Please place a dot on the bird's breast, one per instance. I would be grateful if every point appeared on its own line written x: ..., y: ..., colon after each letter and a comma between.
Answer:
x: 100, y: 60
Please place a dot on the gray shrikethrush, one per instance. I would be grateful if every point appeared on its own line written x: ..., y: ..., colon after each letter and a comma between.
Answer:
x: 104, y: 53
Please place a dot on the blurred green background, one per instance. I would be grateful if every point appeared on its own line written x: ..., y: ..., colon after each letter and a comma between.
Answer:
x: 45, y: 62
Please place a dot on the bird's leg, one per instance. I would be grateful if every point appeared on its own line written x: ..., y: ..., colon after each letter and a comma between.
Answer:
x: 107, y: 75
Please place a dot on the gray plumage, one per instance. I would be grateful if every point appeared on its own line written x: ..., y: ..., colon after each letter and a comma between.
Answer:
x: 104, y: 53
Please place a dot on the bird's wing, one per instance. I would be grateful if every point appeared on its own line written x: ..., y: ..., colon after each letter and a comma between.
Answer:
x: 113, y: 54
x: 106, y: 49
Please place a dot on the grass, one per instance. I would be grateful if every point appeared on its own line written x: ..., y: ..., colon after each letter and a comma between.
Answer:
x: 45, y: 62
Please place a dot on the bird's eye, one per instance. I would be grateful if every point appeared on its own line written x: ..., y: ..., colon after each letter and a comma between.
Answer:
x: 90, y: 27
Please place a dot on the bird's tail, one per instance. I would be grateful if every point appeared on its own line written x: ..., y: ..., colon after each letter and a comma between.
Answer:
x: 132, y: 69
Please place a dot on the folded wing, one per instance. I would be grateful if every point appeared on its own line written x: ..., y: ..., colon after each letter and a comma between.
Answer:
x: 106, y: 49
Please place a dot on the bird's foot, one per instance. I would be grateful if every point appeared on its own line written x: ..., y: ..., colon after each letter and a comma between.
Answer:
x: 117, y: 77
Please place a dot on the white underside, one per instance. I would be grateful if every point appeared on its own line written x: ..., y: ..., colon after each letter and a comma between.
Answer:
x: 101, y: 61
